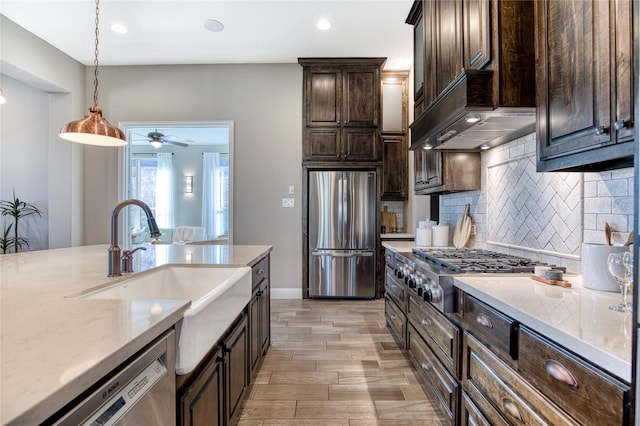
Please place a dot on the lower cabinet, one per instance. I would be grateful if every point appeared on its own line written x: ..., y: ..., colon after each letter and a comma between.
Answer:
x: 214, y: 394
x: 211, y: 394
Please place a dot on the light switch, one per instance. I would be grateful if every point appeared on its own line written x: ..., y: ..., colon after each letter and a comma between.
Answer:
x: 288, y: 202
x: 292, y: 190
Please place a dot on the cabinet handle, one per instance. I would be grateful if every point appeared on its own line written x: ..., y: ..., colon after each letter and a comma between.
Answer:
x: 484, y: 321
x: 512, y: 409
x: 259, y: 293
x: 560, y: 373
x: 426, y: 321
x: 393, y: 317
x: 620, y: 124
x: 600, y: 130
x: 260, y: 271
x: 425, y: 366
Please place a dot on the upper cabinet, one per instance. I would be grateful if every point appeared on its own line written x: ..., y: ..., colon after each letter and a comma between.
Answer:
x: 342, y: 114
x: 585, y: 85
x: 394, y: 135
x: 476, y: 62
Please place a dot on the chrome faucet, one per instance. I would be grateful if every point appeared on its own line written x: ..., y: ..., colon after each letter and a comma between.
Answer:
x: 115, y: 253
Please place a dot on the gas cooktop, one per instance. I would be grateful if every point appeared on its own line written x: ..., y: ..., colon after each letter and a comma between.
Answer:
x: 466, y: 260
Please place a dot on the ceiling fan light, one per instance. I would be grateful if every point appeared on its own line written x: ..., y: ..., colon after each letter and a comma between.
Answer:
x: 155, y: 143
x: 93, y: 129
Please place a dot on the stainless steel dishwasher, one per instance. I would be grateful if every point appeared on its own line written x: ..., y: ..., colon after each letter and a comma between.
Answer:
x: 140, y: 392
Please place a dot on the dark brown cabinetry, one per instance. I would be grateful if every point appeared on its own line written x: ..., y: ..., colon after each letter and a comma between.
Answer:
x: 341, y: 101
x: 259, y: 315
x: 394, y: 135
x: 211, y: 393
x: 438, y: 172
x: 202, y: 403
x: 212, y: 397
x: 584, y: 85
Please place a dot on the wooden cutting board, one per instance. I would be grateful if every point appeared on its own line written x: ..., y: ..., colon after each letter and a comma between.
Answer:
x: 462, y: 231
x: 389, y: 220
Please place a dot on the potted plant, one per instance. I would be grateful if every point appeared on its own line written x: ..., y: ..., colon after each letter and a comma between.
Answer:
x: 16, y: 209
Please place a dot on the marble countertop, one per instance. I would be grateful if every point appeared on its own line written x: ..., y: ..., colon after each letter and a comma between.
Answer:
x: 54, y: 346
x: 577, y: 318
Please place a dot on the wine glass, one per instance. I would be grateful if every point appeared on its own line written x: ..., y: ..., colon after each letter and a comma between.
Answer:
x: 622, y: 274
x: 627, y: 260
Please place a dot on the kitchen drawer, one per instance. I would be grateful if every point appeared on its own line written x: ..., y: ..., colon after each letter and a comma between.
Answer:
x: 496, y: 330
x: 439, y: 333
x: 260, y: 271
x: 500, y: 393
x: 390, y: 258
x: 470, y: 415
x: 395, y: 289
x: 587, y: 394
x: 436, y: 376
x: 396, y: 321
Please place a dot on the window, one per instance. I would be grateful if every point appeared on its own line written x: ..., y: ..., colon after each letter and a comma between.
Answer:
x: 142, y: 186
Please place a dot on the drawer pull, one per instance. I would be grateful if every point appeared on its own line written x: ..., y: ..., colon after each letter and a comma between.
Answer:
x: 512, y: 409
x: 425, y: 366
x: 260, y: 271
x: 621, y: 124
x: 393, y: 317
x: 484, y: 321
x: 560, y: 373
x: 600, y: 130
x: 426, y: 322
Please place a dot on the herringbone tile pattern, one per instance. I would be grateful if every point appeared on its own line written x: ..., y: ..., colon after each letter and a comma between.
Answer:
x: 334, y: 363
x: 534, y: 210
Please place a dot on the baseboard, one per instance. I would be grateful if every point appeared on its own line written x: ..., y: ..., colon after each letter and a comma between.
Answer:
x: 286, y: 293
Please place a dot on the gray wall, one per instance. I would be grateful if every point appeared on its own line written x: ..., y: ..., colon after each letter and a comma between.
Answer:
x: 265, y: 104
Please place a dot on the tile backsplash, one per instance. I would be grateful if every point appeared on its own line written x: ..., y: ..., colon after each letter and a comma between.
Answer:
x: 545, y: 216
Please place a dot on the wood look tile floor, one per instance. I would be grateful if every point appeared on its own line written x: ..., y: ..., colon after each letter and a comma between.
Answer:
x: 334, y: 363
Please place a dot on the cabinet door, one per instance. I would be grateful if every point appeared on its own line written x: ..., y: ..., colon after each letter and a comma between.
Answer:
x: 322, y: 144
x: 265, y: 316
x: 255, y: 341
x: 623, y: 111
x: 477, y: 38
x: 419, y: 176
x: 361, y: 96
x: 202, y: 404
x: 394, y: 102
x: 323, y: 94
x: 236, y: 378
x: 394, y: 168
x: 360, y: 144
x: 573, y: 73
x: 432, y: 165
x: 448, y: 43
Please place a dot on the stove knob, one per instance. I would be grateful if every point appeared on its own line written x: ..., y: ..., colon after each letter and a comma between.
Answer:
x: 399, y: 273
x: 436, y: 295
x: 426, y: 295
x: 406, y: 279
x: 420, y: 291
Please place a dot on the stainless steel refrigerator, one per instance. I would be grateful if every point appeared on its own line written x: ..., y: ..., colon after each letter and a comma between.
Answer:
x: 342, y: 234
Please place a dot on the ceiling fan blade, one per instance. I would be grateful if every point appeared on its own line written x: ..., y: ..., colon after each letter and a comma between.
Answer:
x: 138, y: 134
x: 176, y: 143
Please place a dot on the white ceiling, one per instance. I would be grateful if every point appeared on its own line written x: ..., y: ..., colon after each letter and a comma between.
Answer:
x: 258, y: 31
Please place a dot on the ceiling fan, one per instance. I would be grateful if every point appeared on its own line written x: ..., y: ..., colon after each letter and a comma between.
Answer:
x: 157, y: 139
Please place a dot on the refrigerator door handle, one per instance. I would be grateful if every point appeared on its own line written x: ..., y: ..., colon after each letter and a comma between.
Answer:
x: 324, y: 253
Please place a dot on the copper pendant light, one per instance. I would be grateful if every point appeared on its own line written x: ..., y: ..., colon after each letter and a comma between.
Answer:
x: 94, y: 129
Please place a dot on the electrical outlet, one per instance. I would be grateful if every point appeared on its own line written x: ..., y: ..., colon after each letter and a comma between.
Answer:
x: 473, y: 230
x: 292, y: 190
x: 288, y: 202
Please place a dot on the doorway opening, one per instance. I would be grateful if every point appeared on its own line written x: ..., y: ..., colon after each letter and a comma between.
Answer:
x: 184, y: 172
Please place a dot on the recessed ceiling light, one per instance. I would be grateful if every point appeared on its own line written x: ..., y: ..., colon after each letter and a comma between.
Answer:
x: 484, y: 146
x: 118, y: 28
x: 213, y: 25
x: 473, y: 118
x: 428, y: 146
x: 323, y: 25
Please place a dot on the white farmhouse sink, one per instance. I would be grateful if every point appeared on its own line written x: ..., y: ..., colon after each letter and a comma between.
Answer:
x: 217, y: 296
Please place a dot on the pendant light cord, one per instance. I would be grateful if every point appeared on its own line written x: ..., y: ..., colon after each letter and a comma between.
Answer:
x: 95, y: 61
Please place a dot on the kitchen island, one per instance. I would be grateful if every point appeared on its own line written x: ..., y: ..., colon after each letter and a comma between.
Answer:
x: 56, y: 345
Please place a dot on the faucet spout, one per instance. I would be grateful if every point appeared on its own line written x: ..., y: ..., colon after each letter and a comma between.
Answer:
x: 114, y: 250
